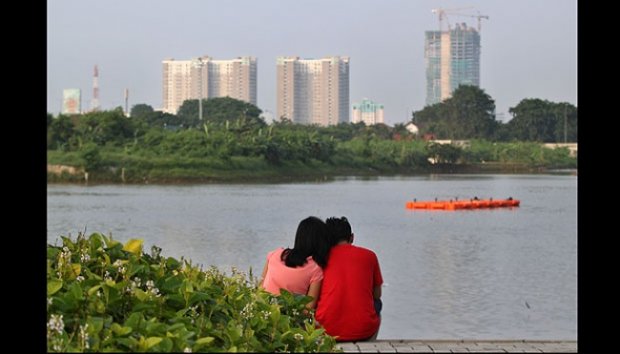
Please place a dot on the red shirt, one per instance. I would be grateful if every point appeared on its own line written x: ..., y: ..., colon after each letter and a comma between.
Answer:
x: 345, y: 307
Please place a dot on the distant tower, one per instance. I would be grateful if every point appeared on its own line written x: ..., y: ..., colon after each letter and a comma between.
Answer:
x: 368, y: 112
x: 452, y: 56
x: 313, y: 91
x: 127, y: 102
x: 94, y: 105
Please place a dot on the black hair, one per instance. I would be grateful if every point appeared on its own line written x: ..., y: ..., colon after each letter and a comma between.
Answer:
x: 311, y: 239
x: 339, y: 230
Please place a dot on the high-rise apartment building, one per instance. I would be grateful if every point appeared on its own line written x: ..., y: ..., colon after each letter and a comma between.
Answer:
x: 452, y: 59
x: 206, y: 78
x: 71, y: 101
x: 368, y: 112
x: 313, y: 91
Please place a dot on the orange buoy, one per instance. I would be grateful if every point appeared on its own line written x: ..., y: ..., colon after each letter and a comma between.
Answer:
x: 463, y: 204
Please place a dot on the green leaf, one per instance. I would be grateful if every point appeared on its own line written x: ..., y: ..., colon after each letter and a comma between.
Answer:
x: 152, y: 341
x: 141, y: 295
x: 120, y: 330
x: 68, y: 243
x: 94, y: 289
x: 134, y: 246
x: 76, y: 291
x: 166, y: 345
x: 135, y: 320
x: 95, y: 324
x: 96, y: 240
x: 52, y: 252
x: 77, y: 269
x: 205, y: 340
x: 53, y: 286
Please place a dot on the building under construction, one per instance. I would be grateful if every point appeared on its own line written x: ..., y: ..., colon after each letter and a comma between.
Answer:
x: 452, y: 59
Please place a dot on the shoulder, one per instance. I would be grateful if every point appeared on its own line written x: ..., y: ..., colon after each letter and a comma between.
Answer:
x: 277, y: 252
x: 363, y: 250
x: 366, y: 252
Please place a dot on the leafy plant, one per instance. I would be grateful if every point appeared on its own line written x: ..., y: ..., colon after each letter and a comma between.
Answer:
x: 108, y: 296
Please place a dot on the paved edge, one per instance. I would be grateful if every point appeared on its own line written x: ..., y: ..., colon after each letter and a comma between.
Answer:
x: 459, y: 346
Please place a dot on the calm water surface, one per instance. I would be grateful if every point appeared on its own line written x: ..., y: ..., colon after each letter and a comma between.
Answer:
x: 460, y: 274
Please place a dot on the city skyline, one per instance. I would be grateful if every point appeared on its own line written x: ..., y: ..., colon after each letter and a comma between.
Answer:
x: 528, y: 55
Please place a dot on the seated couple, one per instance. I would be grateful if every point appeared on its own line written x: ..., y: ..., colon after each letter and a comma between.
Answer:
x: 343, y: 280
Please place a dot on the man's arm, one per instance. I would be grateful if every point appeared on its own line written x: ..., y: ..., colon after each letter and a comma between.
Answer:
x: 376, y: 293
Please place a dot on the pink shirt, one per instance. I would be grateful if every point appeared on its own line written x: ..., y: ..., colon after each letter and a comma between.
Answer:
x: 296, y: 280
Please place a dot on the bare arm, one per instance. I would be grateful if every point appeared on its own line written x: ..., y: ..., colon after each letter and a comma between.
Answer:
x: 314, y: 291
x: 376, y: 294
x: 262, y: 277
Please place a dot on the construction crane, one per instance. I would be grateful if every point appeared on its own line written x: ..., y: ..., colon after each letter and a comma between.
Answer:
x: 443, y: 14
x: 479, y: 17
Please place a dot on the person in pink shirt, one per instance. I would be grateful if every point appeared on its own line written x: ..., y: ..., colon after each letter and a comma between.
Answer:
x: 299, y: 270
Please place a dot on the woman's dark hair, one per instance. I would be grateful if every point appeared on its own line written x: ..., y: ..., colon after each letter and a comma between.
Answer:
x: 311, y: 240
x: 339, y: 230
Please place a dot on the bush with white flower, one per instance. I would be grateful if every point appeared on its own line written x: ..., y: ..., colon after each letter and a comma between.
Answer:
x: 106, y: 296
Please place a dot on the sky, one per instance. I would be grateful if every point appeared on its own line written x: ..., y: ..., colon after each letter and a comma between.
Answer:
x: 529, y: 47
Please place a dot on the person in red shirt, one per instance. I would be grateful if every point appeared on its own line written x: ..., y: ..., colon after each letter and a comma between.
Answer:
x: 349, y: 304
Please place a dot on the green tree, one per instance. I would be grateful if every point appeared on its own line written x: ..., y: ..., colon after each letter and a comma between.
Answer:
x: 141, y: 110
x: 219, y: 110
x: 544, y: 121
x: 91, y: 157
x: 59, y: 132
x: 468, y: 114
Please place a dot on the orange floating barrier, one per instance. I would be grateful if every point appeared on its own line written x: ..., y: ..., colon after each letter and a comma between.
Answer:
x: 463, y: 204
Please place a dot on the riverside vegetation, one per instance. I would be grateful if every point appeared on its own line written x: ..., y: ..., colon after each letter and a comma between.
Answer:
x: 233, y: 143
x: 106, y: 296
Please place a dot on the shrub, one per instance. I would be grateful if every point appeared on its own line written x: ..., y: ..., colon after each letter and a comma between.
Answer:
x: 106, y: 296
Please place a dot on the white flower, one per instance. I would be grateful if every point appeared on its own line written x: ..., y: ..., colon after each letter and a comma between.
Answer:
x: 298, y: 336
x: 79, y: 278
x: 84, y: 336
x: 117, y: 263
x: 266, y: 314
x: 187, y: 350
x: 136, y: 282
x: 56, y: 324
x: 49, y: 300
x: 247, y: 311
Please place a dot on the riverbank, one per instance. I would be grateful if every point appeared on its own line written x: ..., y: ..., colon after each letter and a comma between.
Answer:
x: 60, y: 174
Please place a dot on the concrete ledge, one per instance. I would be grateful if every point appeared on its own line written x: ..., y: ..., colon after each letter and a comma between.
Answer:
x: 459, y: 346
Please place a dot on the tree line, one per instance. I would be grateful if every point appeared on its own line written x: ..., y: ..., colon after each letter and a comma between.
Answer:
x: 233, y: 136
x: 470, y: 114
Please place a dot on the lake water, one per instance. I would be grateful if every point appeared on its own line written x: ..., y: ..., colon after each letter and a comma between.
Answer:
x: 480, y: 274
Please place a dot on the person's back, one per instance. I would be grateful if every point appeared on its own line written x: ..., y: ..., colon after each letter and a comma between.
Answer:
x: 298, y: 269
x: 351, y: 289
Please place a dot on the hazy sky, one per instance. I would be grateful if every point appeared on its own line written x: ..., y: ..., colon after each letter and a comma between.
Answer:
x: 529, y: 47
